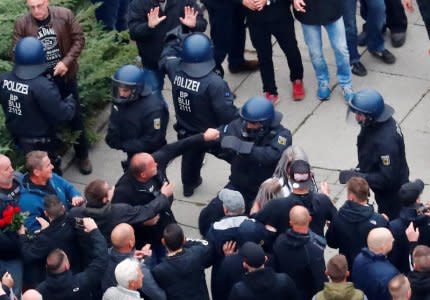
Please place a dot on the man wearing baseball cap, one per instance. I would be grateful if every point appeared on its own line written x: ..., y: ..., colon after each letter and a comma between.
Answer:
x: 412, y: 211
x: 276, y: 213
x: 261, y: 282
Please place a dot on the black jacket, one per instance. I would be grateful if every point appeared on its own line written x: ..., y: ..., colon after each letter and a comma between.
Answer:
x: 264, y: 284
x: 129, y: 190
x: 349, y: 228
x: 33, y: 108
x: 276, y: 212
x: 182, y: 276
x: 381, y: 157
x: 248, y: 171
x: 138, y: 126
x: 420, y: 285
x: 65, y: 286
x: 320, y: 12
x: 230, y: 271
x: 399, y: 255
x: 301, y: 256
x: 150, y: 41
x: 277, y: 11
x: 110, y: 215
x: 200, y: 103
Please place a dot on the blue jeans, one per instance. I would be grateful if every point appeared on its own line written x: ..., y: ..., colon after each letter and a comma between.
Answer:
x: 336, y: 34
x: 155, y: 78
x: 112, y: 13
x: 14, y: 267
x: 375, y: 20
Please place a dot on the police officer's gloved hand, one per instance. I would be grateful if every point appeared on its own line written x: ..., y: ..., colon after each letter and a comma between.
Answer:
x: 345, y: 175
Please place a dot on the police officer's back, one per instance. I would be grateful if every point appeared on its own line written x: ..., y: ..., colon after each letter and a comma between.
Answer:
x: 31, y: 102
x: 202, y: 99
x: 139, y: 117
x: 381, y: 150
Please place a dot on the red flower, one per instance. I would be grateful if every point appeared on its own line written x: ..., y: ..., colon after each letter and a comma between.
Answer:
x: 17, y: 210
x: 2, y: 224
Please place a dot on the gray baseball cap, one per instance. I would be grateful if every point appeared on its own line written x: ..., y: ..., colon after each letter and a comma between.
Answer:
x: 232, y: 200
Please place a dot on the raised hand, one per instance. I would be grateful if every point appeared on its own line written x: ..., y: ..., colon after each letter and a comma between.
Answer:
x: 153, y: 17
x: 190, y: 17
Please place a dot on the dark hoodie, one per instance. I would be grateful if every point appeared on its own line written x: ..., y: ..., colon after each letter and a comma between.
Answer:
x: 276, y: 212
x: 182, y: 276
x: 399, y: 256
x: 349, y: 229
x: 301, y: 256
x: 420, y: 285
x: 67, y: 286
x: 264, y: 284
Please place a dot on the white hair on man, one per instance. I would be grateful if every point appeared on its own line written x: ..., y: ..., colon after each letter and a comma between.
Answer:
x: 127, y: 271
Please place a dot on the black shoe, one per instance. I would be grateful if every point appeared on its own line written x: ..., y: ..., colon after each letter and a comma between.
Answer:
x: 362, y: 39
x: 358, y: 69
x: 386, y: 56
x: 246, y: 66
x: 189, y: 189
x: 85, y: 166
x: 398, y: 39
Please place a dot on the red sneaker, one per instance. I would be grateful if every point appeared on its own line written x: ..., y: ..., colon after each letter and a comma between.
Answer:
x: 298, y: 90
x: 272, y: 98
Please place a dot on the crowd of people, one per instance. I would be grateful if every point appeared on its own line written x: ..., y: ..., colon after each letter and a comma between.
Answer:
x: 265, y: 233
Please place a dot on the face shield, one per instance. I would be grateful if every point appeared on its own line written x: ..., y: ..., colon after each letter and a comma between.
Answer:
x: 251, y: 131
x: 355, y: 117
x: 124, y: 92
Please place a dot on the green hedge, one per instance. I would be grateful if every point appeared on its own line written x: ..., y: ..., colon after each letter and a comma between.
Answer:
x: 100, y: 58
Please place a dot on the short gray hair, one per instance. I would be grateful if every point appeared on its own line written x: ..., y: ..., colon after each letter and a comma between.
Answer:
x: 126, y: 271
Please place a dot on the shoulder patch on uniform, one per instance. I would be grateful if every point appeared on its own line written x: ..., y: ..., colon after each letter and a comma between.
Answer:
x: 282, y: 140
x: 227, y: 94
x: 157, y: 123
x: 385, y: 160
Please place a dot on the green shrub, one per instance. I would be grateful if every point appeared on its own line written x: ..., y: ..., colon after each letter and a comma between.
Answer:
x: 100, y: 58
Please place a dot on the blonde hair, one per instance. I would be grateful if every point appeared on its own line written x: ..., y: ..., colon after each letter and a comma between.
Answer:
x: 269, y: 189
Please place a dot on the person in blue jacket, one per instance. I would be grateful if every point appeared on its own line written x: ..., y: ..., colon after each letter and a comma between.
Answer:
x: 39, y: 182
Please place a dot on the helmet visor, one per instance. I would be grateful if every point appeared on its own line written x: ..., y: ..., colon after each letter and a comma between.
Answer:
x: 354, y: 117
x: 123, y: 92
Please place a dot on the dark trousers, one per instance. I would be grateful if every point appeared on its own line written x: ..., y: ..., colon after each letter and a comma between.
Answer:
x: 388, y: 203
x: 283, y: 31
x: 227, y: 32
x: 424, y: 6
x: 396, y: 19
x: 112, y: 13
x: 68, y: 87
x: 191, y: 164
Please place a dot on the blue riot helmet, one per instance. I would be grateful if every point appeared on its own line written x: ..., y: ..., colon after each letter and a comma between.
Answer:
x: 30, y: 59
x: 197, y: 57
x: 370, y: 103
x: 128, y: 84
x: 257, y: 114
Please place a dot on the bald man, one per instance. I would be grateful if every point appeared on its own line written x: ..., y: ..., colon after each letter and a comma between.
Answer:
x: 123, y: 246
x: 400, y: 288
x: 143, y: 183
x: 32, y: 295
x: 371, y: 271
x: 10, y: 188
x: 300, y: 253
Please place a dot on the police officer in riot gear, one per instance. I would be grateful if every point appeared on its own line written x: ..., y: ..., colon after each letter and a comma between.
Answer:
x: 381, y: 151
x: 139, y: 117
x: 253, y: 145
x: 202, y: 99
x: 32, y: 103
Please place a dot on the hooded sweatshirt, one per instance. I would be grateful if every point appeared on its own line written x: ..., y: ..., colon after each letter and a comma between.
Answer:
x: 301, y: 256
x: 349, y: 229
x: 339, y: 291
x: 264, y: 284
x: 399, y: 256
x: 420, y: 285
